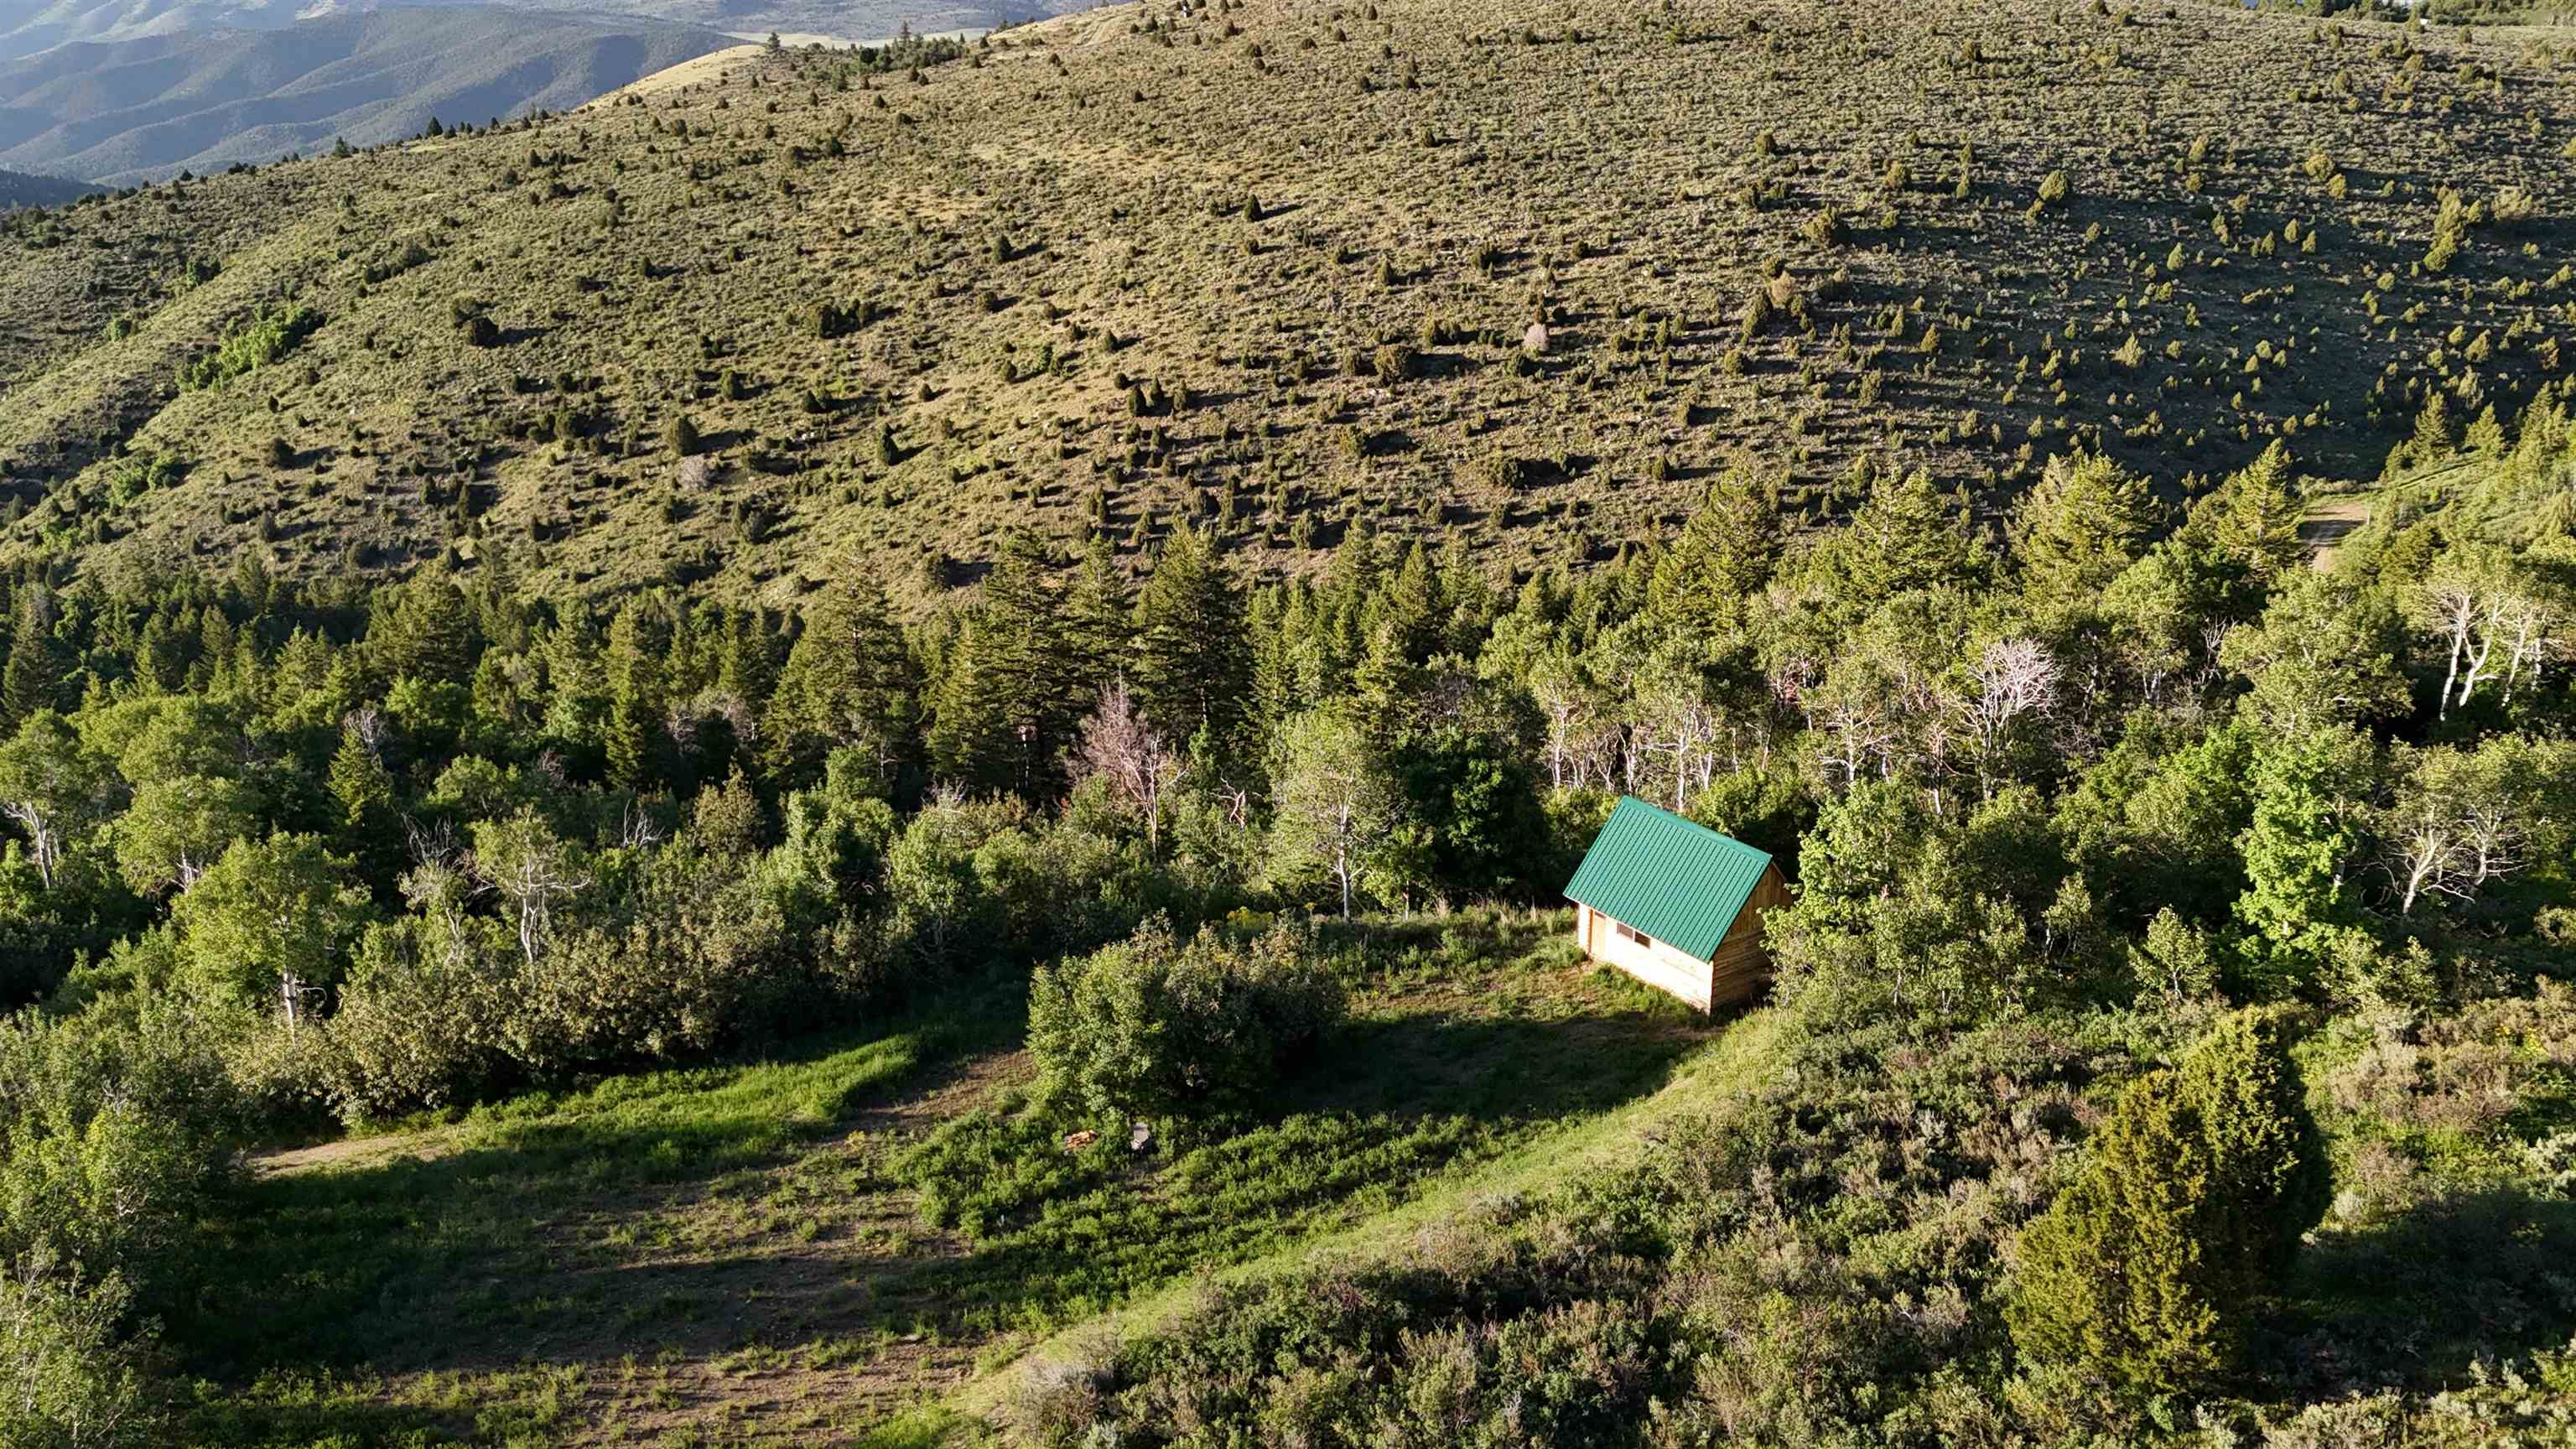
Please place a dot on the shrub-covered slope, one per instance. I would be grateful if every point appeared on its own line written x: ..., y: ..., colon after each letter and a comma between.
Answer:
x: 1513, y: 269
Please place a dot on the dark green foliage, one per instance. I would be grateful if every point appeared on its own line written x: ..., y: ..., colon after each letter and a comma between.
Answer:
x: 1192, y: 660
x: 2185, y: 1215
x: 1163, y: 1031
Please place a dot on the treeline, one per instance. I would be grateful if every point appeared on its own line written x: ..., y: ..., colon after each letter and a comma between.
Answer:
x: 280, y: 849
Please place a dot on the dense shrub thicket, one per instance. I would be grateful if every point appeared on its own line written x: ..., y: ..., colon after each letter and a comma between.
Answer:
x: 1161, y: 1029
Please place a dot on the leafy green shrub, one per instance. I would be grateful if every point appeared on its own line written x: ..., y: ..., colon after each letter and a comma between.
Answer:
x: 1158, y: 1029
x: 264, y: 341
x: 69, y: 1379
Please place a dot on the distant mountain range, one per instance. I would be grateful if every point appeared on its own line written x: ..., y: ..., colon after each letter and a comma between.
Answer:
x: 127, y: 91
x: 142, y: 109
x: 29, y: 26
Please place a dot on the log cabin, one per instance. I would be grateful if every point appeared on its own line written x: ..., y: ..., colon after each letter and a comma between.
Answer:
x: 1676, y: 905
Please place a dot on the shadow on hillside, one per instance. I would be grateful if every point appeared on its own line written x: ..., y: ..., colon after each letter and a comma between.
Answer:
x: 1504, y: 1070
x: 2471, y: 1276
x: 681, y: 1237
x: 479, y: 1258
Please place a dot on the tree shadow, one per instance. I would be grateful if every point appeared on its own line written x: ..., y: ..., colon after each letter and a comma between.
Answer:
x: 1502, y: 1070
x: 2419, y: 1298
x: 539, y: 1241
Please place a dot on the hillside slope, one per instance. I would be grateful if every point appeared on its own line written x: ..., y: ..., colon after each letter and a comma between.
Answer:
x: 201, y: 100
x: 20, y: 188
x: 1277, y: 268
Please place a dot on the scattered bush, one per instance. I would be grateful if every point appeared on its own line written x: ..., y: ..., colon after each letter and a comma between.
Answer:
x: 1157, y: 1029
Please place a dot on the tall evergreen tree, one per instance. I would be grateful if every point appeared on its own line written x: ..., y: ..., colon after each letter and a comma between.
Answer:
x: 850, y: 681
x: 2086, y: 522
x: 1726, y: 552
x: 1098, y: 618
x: 1908, y: 534
x: 1013, y: 694
x: 637, y: 737
x: 34, y: 675
x: 1193, y: 661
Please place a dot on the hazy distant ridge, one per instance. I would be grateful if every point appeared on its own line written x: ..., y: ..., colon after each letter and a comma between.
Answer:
x: 145, y: 109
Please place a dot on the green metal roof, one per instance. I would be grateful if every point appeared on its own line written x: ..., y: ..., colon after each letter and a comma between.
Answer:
x: 1681, y: 883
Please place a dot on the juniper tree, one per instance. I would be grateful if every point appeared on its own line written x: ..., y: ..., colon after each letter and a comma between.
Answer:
x: 2184, y: 1217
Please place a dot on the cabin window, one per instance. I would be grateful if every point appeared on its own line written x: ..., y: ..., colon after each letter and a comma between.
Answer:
x: 1632, y: 933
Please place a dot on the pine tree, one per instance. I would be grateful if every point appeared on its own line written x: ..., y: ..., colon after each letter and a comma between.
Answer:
x: 2252, y: 519
x: 850, y: 682
x: 2088, y: 520
x: 1407, y: 613
x: 360, y: 783
x: 1907, y: 535
x: 1013, y: 697
x: 636, y: 736
x: 1193, y: 661
x: 34, y: 675
x: 1726, y: 553
x: 1099, y: 618
x: 423, y: 630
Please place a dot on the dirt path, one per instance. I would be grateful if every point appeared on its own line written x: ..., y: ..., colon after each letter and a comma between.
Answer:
x: 2326, y: 524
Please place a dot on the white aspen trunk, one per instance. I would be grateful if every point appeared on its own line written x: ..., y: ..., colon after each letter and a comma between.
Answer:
x: 2459, y: 640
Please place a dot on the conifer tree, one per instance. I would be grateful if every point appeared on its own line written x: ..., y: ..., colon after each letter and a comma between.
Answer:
x: 850, y: 681
x: 2186, y: 1213
x: 2086, y: 521
x: 1193, y: 662
x: 359, y: 781
x: 637, y: 737
x: 1013, y: 696
x: 33, y: 676
x: 424, y: 630
x: 1099, y: 618
x: 2252, y: 519
x: 1908, y: 534
x: 1408, y: 612
x: 1727, y: 551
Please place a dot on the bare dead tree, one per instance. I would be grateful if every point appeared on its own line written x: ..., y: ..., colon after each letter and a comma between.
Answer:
x: 2010, y: 680
x: 1117, y: 745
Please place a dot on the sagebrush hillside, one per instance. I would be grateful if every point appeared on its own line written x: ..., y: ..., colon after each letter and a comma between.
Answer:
x: 1526, y: 271
x: 153, y: 107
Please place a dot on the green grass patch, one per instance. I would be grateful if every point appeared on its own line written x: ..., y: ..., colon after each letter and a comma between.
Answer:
x: 1464, y: 1041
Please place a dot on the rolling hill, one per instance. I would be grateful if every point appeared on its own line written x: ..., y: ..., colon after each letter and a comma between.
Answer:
x: 131, y: 110
x: 1519, y: 274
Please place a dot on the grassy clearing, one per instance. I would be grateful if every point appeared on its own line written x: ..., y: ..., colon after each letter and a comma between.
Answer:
x: 740, y: 1254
